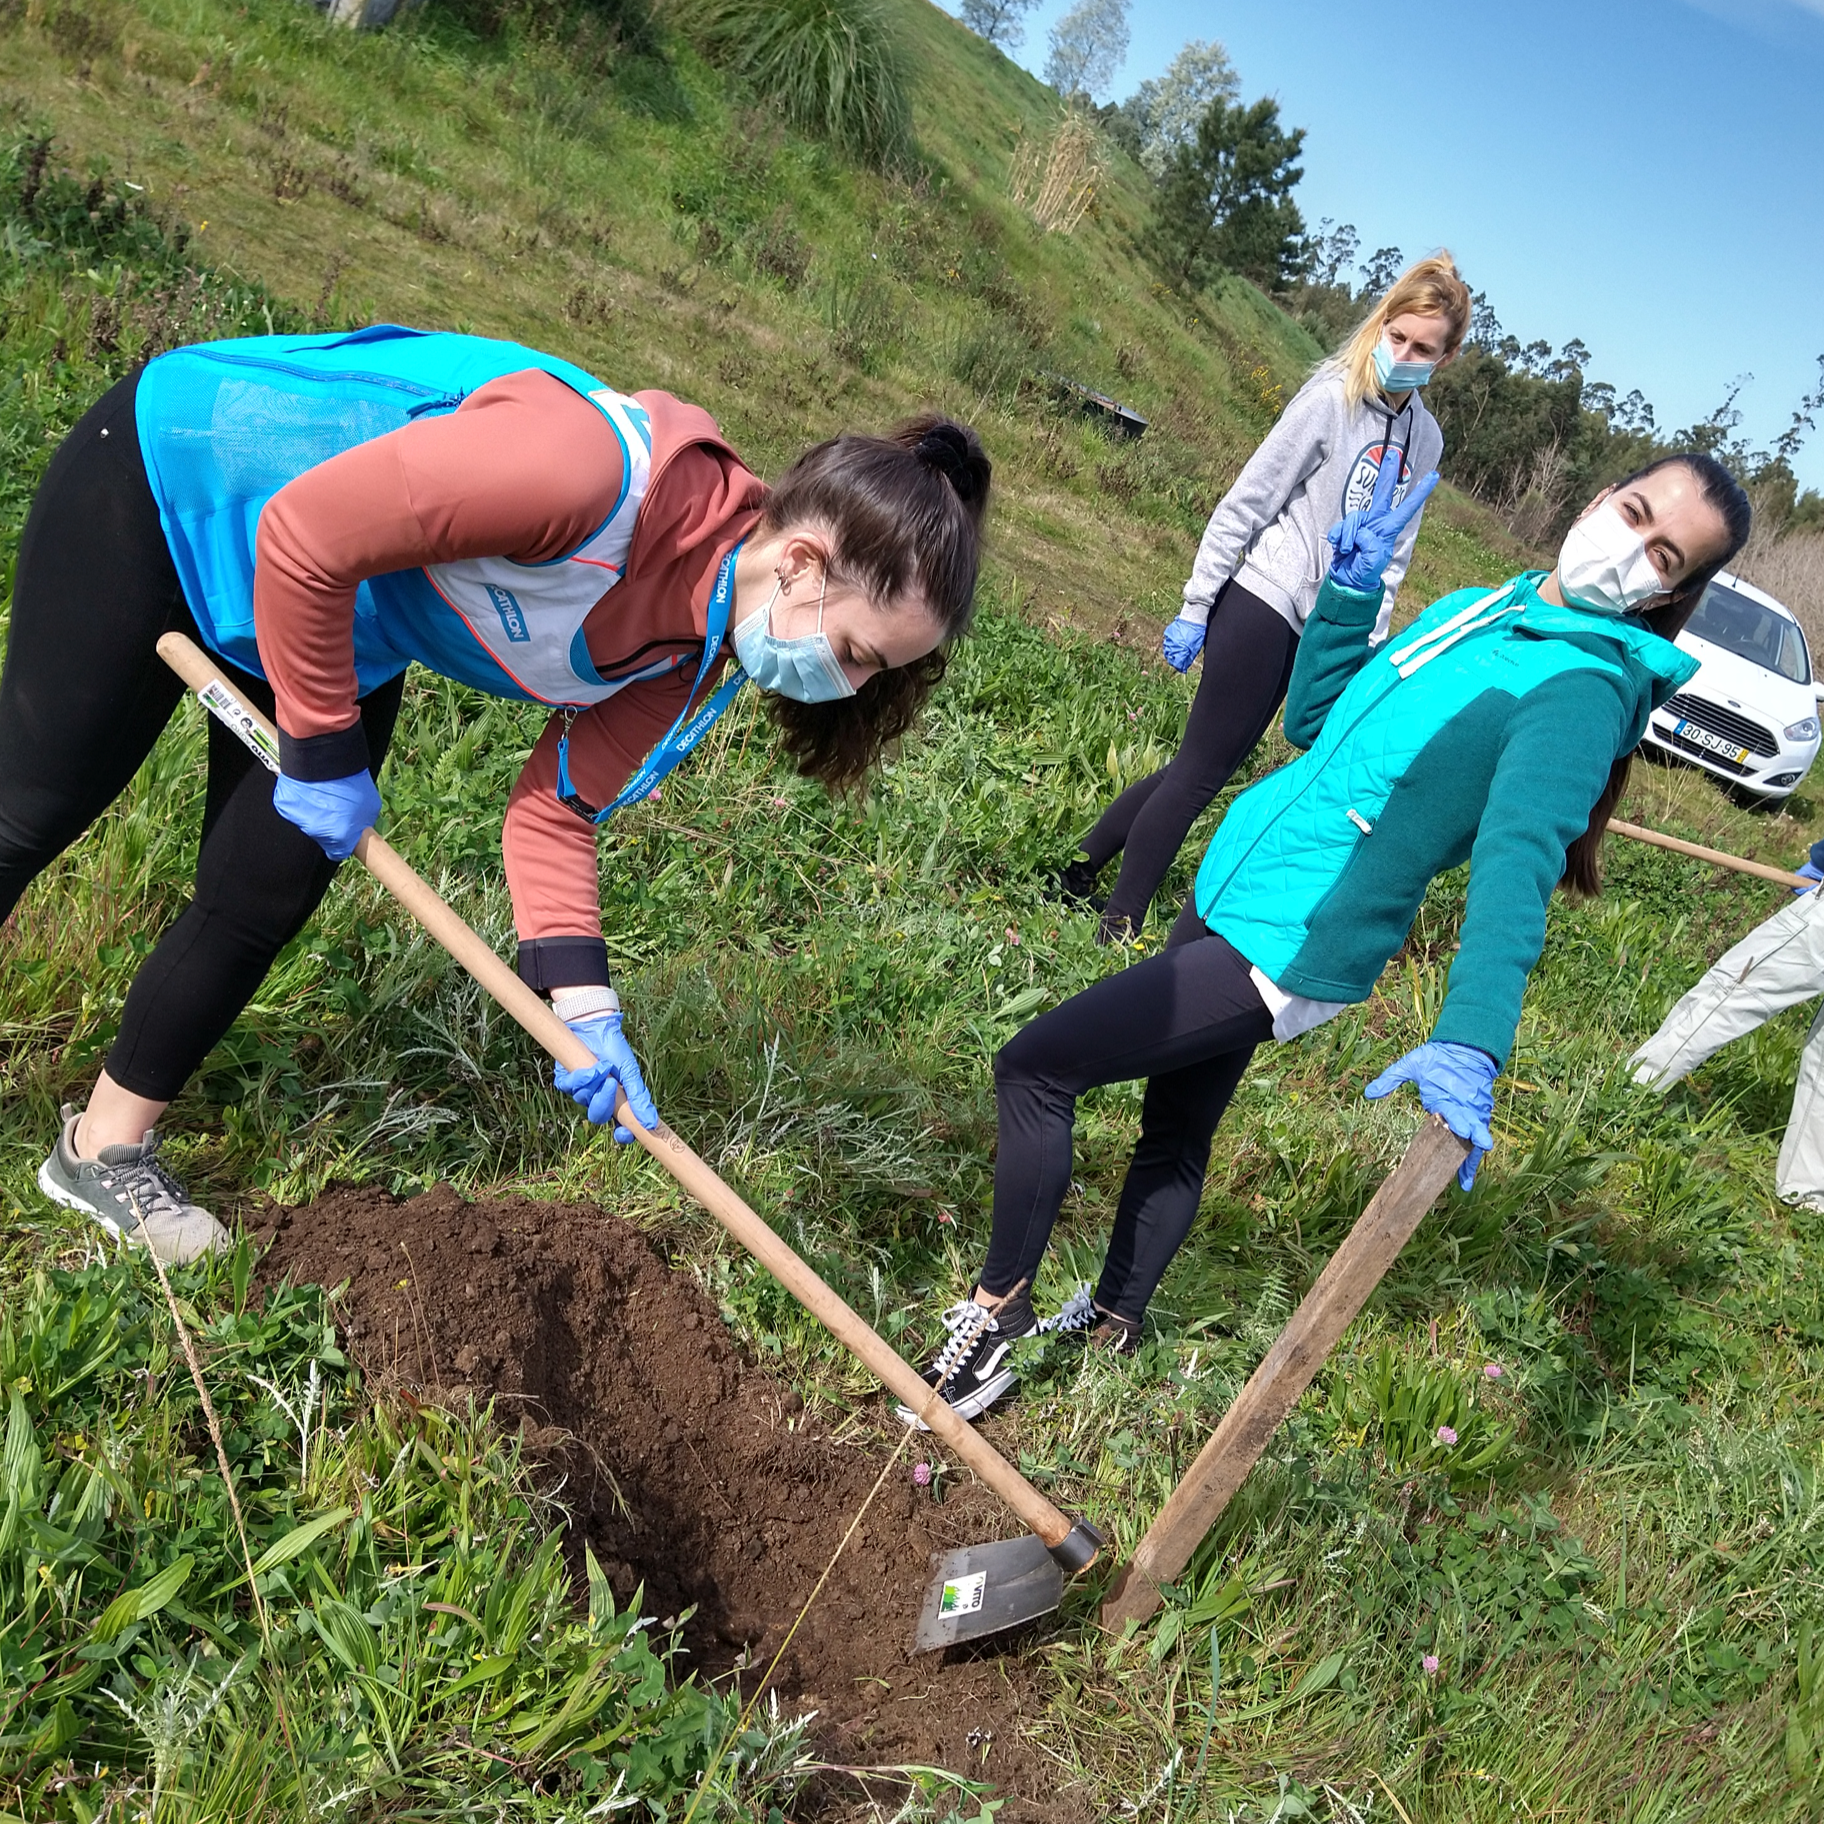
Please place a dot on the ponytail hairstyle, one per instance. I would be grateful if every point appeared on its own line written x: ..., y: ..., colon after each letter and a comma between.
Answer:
x: 1582, y: 877
x: 1430, y: 288
x: 903, y: 513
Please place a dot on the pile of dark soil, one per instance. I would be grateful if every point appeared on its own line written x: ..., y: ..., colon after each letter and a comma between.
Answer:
x: 692, y: 1471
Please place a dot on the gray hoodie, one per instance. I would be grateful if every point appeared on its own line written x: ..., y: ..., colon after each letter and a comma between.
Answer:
x: 1317, y: 463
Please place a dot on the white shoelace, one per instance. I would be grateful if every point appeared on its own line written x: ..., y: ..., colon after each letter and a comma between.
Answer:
x: 1079, y: 1313
x: 965, y: 1322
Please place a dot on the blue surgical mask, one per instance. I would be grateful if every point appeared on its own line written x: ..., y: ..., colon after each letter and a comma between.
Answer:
x: 1399, y: 376
x: 804, y: 669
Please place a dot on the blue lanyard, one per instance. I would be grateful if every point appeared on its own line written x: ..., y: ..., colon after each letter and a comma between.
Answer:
x: 686, y: 732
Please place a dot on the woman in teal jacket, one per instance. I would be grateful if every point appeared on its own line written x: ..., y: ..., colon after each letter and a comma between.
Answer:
x: 1483, y: 732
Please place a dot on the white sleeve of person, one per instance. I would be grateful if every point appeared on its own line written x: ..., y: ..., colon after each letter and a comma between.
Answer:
x: 1779, y: 964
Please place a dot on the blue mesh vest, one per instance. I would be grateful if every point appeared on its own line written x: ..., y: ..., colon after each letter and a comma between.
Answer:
x: 224, y: 425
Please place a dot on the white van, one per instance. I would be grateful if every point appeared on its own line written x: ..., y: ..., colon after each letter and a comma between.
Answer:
x: 1750, y: 716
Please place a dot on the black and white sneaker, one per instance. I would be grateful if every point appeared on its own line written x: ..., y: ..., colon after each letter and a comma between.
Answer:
x: 1118, y: 1335
x: 1084, y: 1321
x: 971, y: 1368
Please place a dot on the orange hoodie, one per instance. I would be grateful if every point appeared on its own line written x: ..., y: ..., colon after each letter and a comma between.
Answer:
x: 527, y: 469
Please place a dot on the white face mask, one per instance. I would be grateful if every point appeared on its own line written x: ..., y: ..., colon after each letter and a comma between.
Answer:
x: 1603, y: 565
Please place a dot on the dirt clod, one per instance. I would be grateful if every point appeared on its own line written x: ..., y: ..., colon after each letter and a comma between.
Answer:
x: 690, y: 1469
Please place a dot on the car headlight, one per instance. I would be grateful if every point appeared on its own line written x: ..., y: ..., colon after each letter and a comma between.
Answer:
x: 1807, y: 730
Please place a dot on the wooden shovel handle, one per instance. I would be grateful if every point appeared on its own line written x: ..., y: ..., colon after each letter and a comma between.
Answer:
x: 1696, y: 850
x: 1354, y: 1270
x: 533, y: 1012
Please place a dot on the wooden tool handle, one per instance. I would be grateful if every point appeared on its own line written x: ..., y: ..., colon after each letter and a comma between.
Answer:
x: 1355, y: 1269
x: 533, y: 1012
x: 1696, y: 850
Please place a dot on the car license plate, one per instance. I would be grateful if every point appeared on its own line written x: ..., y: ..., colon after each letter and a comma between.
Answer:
x: 1715, y: 744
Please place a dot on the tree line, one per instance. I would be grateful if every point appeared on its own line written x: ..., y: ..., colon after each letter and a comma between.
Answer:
x: 1526, y: 427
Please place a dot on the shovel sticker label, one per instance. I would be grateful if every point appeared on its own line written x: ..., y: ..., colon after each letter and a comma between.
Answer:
x: 228, y: 709
x: 964, y: 1596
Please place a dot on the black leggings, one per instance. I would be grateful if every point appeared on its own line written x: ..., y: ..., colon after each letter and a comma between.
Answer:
x: 1247, y: 663
x: 82, y: 700
x: 1187, y: 1020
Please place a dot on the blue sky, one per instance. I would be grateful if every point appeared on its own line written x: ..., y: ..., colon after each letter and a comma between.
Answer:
x: 1645, y: 174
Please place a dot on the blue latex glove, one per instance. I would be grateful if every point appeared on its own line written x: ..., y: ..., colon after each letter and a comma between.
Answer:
x: 1183, y: 641
x: 1457, y: 1084
x: 332, y: 812
x: 1364, y: 540
x: 615, y: 1064
x: 1811, y: 871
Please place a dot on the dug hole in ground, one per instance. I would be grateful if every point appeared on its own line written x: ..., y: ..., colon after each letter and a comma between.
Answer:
x: 686, y: 1467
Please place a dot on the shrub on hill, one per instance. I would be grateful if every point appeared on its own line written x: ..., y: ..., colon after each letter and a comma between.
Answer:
x: 831, y: 67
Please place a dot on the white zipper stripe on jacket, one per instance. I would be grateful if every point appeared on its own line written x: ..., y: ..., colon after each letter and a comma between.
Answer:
x: 1455, y: 621
x: 1463, y: 633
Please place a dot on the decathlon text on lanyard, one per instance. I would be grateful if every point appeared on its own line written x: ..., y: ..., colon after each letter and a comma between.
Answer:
x: 686, y: 732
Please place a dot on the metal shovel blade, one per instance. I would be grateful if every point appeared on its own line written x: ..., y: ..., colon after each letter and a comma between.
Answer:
x: 982, y: 1589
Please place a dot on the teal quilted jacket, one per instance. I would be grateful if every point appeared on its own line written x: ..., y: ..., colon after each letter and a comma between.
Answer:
x: 1483, y: 732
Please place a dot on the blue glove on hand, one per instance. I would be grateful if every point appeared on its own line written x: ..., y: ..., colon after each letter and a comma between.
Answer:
x: 332, y: 812
x: 1457, y: 1084
x: 615, y: 1065
x: 1811, y: 871
x: 1364, y: 540
x: 1183, y: 641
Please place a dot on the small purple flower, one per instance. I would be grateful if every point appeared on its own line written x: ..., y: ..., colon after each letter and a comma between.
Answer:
x: 1446, y: 1435
x: 921, y: 1474
x: 1013, y: 936
x: 653, y: 795
x: 1493, y: 1370
x: 1430, y: 1662
x: 780, y: 804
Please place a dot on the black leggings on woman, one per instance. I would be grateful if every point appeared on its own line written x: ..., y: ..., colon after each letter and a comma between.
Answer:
x: 1187, y: 1020
x: 1247, y: 664
x: 82, y: 700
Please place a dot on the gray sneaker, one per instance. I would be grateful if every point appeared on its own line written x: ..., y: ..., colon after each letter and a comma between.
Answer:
x: 131, y: 1195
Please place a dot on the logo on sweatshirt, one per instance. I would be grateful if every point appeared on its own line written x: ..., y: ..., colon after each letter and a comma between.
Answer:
x: 1365, y: 471
x: 512, y: 616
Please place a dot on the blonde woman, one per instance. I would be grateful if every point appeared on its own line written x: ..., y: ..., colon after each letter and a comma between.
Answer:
x: 1263, y: 556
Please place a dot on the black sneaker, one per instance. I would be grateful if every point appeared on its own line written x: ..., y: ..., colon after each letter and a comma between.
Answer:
x: 1117, y: 1335
x: 972, y: 1367
x: 1075, y: 883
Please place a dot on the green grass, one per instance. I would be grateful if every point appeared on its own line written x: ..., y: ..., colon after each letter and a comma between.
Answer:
x: 413, y: 1604
x: 1615, y: 1565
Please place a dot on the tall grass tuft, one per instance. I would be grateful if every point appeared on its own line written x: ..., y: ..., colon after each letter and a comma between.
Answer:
x: 1055, y: 181
x: 831, y: 67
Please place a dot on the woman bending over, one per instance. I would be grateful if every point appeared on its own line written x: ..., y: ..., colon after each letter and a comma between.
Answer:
x: 321, y: 512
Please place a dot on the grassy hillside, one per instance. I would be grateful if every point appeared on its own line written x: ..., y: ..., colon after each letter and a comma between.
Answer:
x: 539, y: 186
x: 1615, y: 1566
